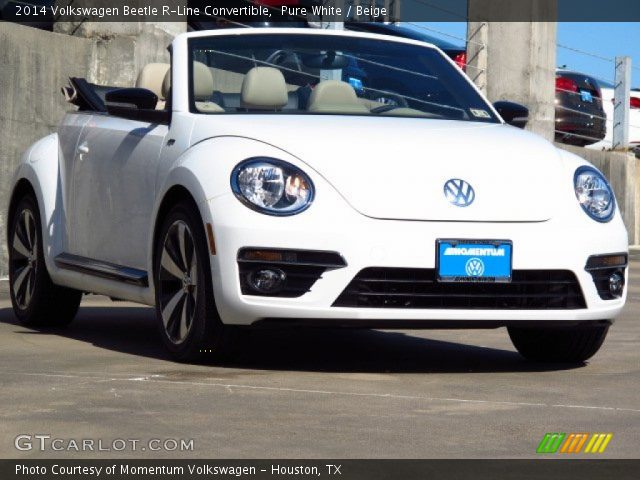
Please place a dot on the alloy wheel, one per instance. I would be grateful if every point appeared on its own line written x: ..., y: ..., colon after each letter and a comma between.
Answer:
x: 178, y: 282
x: 24, y: 258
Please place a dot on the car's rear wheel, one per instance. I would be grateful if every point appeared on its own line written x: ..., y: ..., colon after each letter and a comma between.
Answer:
x: 36, y: 300
x: 559, y: 344
x: 188, y: 321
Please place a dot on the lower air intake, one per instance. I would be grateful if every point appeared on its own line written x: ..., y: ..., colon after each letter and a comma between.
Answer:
x: 418, y: 288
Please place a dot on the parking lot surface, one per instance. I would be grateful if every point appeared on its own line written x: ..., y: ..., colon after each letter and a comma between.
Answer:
x: 309, y: 393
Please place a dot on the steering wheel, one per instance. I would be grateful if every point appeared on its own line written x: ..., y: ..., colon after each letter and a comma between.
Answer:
x: 391, y: 100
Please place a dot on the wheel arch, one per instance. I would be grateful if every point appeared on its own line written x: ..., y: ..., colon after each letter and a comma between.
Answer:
x: 173, y: 196
x: 176, y: 194
x: 20, y: 189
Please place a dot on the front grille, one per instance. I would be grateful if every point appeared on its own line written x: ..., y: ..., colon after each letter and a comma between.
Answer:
x: 418, y: 288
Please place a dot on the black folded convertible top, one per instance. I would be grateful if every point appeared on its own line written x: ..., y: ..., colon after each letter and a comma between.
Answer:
x: 86, y: 96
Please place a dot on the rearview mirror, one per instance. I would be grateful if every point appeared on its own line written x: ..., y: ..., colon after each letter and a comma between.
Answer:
x: 135, y: 104
x: 326, y: 61
x: 513, y: 113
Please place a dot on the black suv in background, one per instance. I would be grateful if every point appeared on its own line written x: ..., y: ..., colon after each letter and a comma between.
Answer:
x: 456, y: 52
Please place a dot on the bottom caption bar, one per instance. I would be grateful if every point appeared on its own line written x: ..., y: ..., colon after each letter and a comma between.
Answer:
x: 308, y: 469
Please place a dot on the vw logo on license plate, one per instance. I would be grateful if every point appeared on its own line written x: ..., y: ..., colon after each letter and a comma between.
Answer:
x: 474, y: 267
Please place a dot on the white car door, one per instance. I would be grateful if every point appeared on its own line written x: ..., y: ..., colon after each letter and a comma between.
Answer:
x: 69, y: 133
x: 114, y: 192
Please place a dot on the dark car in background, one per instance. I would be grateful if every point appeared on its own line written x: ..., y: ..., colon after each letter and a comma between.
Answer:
x: 456, y: 52
x: 580, y: 116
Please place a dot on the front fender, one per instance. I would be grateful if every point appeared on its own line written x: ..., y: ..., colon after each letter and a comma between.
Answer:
x: 204, y: 170
x: 214, y: 159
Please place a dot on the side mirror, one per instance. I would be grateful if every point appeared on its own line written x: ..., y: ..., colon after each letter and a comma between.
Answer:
x: 135, y: 104
x: 513, y: 113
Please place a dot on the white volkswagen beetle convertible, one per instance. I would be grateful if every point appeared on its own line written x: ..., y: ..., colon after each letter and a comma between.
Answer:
x: 313, y: 178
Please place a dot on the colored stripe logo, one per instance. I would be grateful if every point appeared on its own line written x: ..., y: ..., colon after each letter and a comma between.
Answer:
x: 574, y: 443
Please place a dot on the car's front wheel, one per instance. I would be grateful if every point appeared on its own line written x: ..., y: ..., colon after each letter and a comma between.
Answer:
x: 188, y: 320
x: 36, y: 300
x: 559, y: 344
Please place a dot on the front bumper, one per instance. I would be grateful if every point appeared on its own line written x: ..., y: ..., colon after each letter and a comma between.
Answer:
x: 564, y: 243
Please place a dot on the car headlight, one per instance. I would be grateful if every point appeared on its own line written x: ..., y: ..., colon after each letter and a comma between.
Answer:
x: 594, y: 194
x: 272, y: 186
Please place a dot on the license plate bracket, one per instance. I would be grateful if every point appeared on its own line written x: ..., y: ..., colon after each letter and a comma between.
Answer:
x: 474, y: 261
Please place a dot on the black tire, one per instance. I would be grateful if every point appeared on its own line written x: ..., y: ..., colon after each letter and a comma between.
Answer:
x: 558, y: 345
x: 36, y: 300
x: 188, y: 320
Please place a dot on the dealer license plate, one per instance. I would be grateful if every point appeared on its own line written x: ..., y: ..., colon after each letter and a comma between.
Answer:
x: 586, y: 96
x: 474, y: 260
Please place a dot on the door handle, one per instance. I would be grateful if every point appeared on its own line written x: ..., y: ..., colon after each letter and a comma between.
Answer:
x: 83, y: 149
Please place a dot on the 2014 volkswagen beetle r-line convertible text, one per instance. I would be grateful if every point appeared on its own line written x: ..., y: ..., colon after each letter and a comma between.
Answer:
x: 265, y: 178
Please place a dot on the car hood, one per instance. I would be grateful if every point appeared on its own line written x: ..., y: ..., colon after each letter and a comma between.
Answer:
x: 397, y: 168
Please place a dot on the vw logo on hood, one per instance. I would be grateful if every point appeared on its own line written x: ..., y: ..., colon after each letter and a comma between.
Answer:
x: 459, y: 192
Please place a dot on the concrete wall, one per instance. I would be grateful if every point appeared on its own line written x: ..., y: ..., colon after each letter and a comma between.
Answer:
x: 126, y: 46
x: 34, y: 64
x: 623, y: 172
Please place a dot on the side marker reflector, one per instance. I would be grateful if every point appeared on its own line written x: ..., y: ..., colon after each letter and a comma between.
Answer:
x: 210, y: 237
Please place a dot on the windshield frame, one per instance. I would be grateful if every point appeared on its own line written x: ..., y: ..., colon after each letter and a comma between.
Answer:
x: 193, y: 40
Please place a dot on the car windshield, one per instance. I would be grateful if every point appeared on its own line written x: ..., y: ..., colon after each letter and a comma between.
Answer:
x: 328, y: 74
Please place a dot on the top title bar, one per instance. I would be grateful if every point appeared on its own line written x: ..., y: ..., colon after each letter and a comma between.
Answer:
x: 319, y: 12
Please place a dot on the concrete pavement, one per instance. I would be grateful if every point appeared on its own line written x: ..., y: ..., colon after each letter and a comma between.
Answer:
x: 310, y: 394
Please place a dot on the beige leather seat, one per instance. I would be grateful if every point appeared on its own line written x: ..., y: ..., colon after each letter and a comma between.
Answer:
x: 264, y: 88
x: 334, y: 96
x: 151, y: 77
x: 202, y: 88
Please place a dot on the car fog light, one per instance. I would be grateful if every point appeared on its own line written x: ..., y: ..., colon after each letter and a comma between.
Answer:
x: 267, y: 280
x: 616, y: 284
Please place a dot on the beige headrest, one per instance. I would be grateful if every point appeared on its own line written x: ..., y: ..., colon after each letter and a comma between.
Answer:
x: 335, y: 96
x: 166, y: 84
x: 151, y: 77
x: 202, y: 82
x: 264, y: 88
